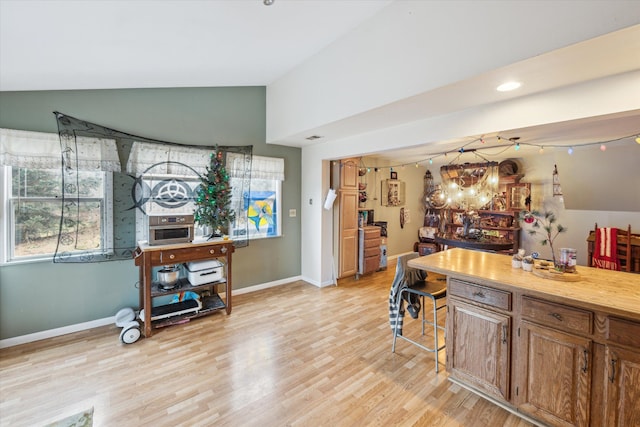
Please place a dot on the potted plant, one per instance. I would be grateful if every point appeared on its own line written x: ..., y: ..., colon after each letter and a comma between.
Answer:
x: 544, y: 224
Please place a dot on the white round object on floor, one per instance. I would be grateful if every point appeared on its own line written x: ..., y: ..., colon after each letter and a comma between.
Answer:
x: 125, y: 316
x: 130, y: 333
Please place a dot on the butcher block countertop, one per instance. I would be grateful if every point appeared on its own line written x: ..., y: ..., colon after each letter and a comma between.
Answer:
x: 611, y: 291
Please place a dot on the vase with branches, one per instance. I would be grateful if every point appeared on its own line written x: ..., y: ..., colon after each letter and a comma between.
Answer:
x: 544, y: 224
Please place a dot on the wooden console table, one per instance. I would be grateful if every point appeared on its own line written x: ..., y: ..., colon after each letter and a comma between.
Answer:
x: 146, y: 257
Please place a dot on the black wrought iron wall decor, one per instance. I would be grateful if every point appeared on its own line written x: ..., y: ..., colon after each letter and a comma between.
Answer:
x: 156, y: 182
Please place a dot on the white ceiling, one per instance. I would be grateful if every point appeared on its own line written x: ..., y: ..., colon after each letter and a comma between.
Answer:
x: 104, y: 44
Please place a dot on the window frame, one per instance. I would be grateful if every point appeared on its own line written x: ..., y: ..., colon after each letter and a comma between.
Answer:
x: 8, y: 220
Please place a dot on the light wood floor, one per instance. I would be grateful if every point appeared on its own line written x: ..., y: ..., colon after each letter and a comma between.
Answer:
x: 294, y: 355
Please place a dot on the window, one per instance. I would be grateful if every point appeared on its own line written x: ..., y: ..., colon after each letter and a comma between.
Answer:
x: 257, y: 205
x: 38, y: 201
x: 34, y: 208
x: 259, y: 214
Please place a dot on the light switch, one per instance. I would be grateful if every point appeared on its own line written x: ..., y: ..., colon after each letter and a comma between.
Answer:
x: 292, y: 213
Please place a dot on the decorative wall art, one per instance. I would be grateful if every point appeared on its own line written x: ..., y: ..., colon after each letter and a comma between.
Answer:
x: 518, y: 196
x: 392, y: 192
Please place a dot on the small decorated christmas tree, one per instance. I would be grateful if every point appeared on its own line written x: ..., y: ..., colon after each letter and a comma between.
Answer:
x: 213, y: 197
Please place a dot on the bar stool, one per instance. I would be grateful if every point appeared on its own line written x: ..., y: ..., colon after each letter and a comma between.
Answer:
x: 426, y: 291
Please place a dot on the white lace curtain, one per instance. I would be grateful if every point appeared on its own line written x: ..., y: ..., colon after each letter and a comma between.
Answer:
x: 161, y: 159
x: 165, y: 159
x: 39, y: 150
x: 261, y: 167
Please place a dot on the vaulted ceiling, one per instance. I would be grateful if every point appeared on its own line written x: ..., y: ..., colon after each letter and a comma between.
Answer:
x: 103, y: 44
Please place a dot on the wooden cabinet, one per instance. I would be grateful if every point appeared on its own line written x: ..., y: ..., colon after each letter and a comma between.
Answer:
x: 622, y: 366
x: 368, y: 249
x: 479, y: 323
x: 554, y: 363
x: 476, y: 331
x: 146, y: 257
x: 348, y: 233
x: 622, y: 387
x: 347, y: 217
x: 573, y: 358
x: 555, y: 375
x: 497, y: 226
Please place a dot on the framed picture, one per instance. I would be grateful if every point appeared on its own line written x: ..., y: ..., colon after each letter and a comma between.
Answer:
x: 392, y: 193
x: 394, y: 175
x: 518, y: 196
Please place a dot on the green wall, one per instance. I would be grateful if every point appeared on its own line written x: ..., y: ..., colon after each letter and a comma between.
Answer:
x: 39, y: 296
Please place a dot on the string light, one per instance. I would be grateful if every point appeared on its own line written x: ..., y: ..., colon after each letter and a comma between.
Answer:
x: 516, y: 145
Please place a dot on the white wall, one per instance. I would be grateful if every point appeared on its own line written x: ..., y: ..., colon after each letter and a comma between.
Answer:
x: 589, y: 168
x: 412, y: 47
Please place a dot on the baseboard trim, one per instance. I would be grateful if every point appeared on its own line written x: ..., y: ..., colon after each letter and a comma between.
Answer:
x: 51, y: 333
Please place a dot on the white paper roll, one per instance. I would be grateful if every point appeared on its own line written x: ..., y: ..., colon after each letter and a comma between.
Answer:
x: 331, y: 197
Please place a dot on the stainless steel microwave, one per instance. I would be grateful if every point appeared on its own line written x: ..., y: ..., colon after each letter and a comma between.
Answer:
x: 167, y: 229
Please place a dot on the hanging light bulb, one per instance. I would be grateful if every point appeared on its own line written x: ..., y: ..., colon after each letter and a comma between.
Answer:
x: 416, y: 164
x: 482, y: 140
x: 603, y: 147
x: 638, y: 139
x: 541, y: 150
x: 430, y: 161
x: 570, y: 150
x: 517, y: 146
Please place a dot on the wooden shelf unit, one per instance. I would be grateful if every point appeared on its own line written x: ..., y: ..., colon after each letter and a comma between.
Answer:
x: 146, y: 257
x: 505, y: 223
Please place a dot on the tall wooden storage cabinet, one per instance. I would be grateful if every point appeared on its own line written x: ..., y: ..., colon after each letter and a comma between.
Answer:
x: 348, y: 218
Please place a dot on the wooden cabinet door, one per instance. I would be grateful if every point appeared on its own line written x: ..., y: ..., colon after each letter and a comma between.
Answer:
x: 349, y: 174
x: 622, y: 387
x: 554, y: 375
x: 348, y: 250
x: 479, y: 349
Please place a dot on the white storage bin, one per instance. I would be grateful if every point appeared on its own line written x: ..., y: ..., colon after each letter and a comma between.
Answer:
x: 201, y: 272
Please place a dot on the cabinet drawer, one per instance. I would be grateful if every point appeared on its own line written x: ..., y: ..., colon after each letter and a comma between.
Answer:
x: 372, y: 243
x: 371, y: 264
x: 369, y: 252
x: 195, y: 253
x: 371, y: 233
x: 557, y: 315
x: 482, y: 294
x: 623, y: 332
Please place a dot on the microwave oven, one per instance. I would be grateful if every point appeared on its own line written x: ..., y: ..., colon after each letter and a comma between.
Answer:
x: 168, y: 229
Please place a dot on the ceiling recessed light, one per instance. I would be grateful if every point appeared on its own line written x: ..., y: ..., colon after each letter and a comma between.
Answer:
x: 505, y: 87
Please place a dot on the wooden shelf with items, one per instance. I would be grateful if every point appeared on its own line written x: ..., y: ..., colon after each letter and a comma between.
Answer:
x: 146, y: 257
x: 496, y: 226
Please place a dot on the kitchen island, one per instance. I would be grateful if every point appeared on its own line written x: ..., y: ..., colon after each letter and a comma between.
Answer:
x: 561, y: 353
